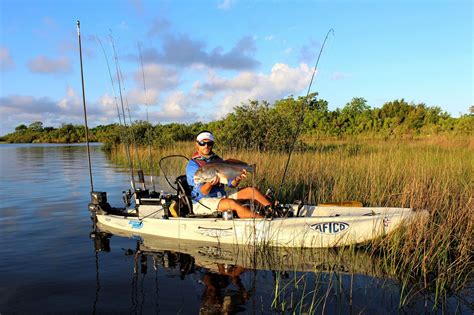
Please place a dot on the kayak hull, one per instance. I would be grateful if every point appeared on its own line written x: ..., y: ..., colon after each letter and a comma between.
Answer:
x: 316, y: 227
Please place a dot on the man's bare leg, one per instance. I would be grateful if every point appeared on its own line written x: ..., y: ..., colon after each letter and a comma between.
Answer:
x: 242, y: 212
x: 251, y: 193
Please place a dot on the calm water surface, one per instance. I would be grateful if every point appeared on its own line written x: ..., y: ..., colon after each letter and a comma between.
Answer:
x: 49, y: 263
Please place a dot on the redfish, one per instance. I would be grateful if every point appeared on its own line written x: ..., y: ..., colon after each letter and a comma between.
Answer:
x: 226, y: 170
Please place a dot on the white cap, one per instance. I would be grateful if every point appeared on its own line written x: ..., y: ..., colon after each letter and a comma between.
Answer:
x: 205, y: 135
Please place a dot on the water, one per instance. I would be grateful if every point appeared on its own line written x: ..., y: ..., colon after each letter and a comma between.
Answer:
x: 50, y: 264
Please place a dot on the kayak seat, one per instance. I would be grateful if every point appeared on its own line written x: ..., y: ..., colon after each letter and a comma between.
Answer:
x: 184, y: 202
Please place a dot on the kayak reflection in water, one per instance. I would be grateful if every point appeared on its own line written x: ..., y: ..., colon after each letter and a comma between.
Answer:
x: 221, y: 298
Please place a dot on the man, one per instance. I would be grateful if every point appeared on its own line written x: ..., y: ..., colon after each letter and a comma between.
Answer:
x: 218, y: 297
x: 211, y: 196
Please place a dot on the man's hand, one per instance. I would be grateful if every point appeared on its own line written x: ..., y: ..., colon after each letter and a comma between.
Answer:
x: 239, y: 178
x: 215, y: 181
x: 207, y: 187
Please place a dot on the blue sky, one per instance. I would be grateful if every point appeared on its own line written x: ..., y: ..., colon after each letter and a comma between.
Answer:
x: 202, y: 58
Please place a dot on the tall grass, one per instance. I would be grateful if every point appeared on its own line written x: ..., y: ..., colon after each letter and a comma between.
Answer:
x: 435, y: 174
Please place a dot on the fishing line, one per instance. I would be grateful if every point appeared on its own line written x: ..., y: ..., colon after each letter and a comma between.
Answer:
x: 111, y: 80
x: 301, y: 118
x: 141, y: 178
x: 131, y: 131
x: 127, y: 148
x: 152, y: 171
x: 122, y: 131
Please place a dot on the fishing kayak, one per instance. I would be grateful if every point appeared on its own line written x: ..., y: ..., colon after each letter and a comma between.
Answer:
x: 313, y: 227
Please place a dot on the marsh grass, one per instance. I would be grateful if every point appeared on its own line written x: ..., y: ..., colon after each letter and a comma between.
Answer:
x: 436, y: 174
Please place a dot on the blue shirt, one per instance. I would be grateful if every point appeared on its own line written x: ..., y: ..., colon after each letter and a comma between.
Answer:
x: 216, y: 191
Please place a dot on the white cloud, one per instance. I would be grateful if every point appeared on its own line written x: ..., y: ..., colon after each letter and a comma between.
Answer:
x: 19, y: 109
x: 157, y: 76
x: 71, y: 103
x: 210, y: 96
x: 282, y: 81
x: 42, y: 64
x: 137, y: 96
x: 181, y: 50
x: 107, y: 107
x: 175, y: 105
x: 226, y: 4
x: 6, y: 60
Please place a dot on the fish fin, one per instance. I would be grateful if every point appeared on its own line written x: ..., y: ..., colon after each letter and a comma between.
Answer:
x: 252, y: 168
x: 235, y: 161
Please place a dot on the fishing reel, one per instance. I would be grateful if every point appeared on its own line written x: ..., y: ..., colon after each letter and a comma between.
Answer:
x: 280, y: 211
x: 276, y: 210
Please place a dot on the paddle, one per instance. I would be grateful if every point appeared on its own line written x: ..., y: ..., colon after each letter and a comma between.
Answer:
x: 342, y: 204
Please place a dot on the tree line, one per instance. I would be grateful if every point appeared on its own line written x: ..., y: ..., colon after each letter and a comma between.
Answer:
x: 264, y: 126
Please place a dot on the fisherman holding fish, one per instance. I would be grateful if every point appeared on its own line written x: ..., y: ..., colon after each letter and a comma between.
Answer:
x: 207, y: 173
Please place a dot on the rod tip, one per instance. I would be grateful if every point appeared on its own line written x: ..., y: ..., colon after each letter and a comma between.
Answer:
x: 78, y: 23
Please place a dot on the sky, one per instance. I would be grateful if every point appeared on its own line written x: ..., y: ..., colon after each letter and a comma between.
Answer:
x: 188, y: 61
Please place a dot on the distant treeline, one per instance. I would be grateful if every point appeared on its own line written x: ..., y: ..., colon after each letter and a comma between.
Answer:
x: 264, y: 126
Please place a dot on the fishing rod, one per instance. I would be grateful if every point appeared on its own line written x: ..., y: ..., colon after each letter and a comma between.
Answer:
x: 127, y: 148
x: 148, y: 121
x: 84, y: 105
x: 122, y: 132
x: 111, y: 80
x: 141, y: 177
x: 301, y: 118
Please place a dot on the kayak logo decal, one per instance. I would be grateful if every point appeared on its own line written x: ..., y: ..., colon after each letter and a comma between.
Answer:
x: 330, y: 227
x: 214, y: 232
x: 136, y: 224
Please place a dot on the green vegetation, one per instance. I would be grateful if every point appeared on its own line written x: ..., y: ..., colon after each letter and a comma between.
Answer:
x: 435, y: 173
x: 398, y: 155
x: 36, y: 133
x: 401, y: 154
x: 262, y: 126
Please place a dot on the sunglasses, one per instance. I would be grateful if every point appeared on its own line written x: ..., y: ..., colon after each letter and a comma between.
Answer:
x: 203, y: 143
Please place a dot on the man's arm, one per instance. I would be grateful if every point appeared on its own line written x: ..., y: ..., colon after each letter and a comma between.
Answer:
x: 236, y: 181
x: 205, y: 188
x: 191, y: 169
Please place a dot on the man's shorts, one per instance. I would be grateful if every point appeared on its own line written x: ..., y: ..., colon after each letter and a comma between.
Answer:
x: 209, y: 205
